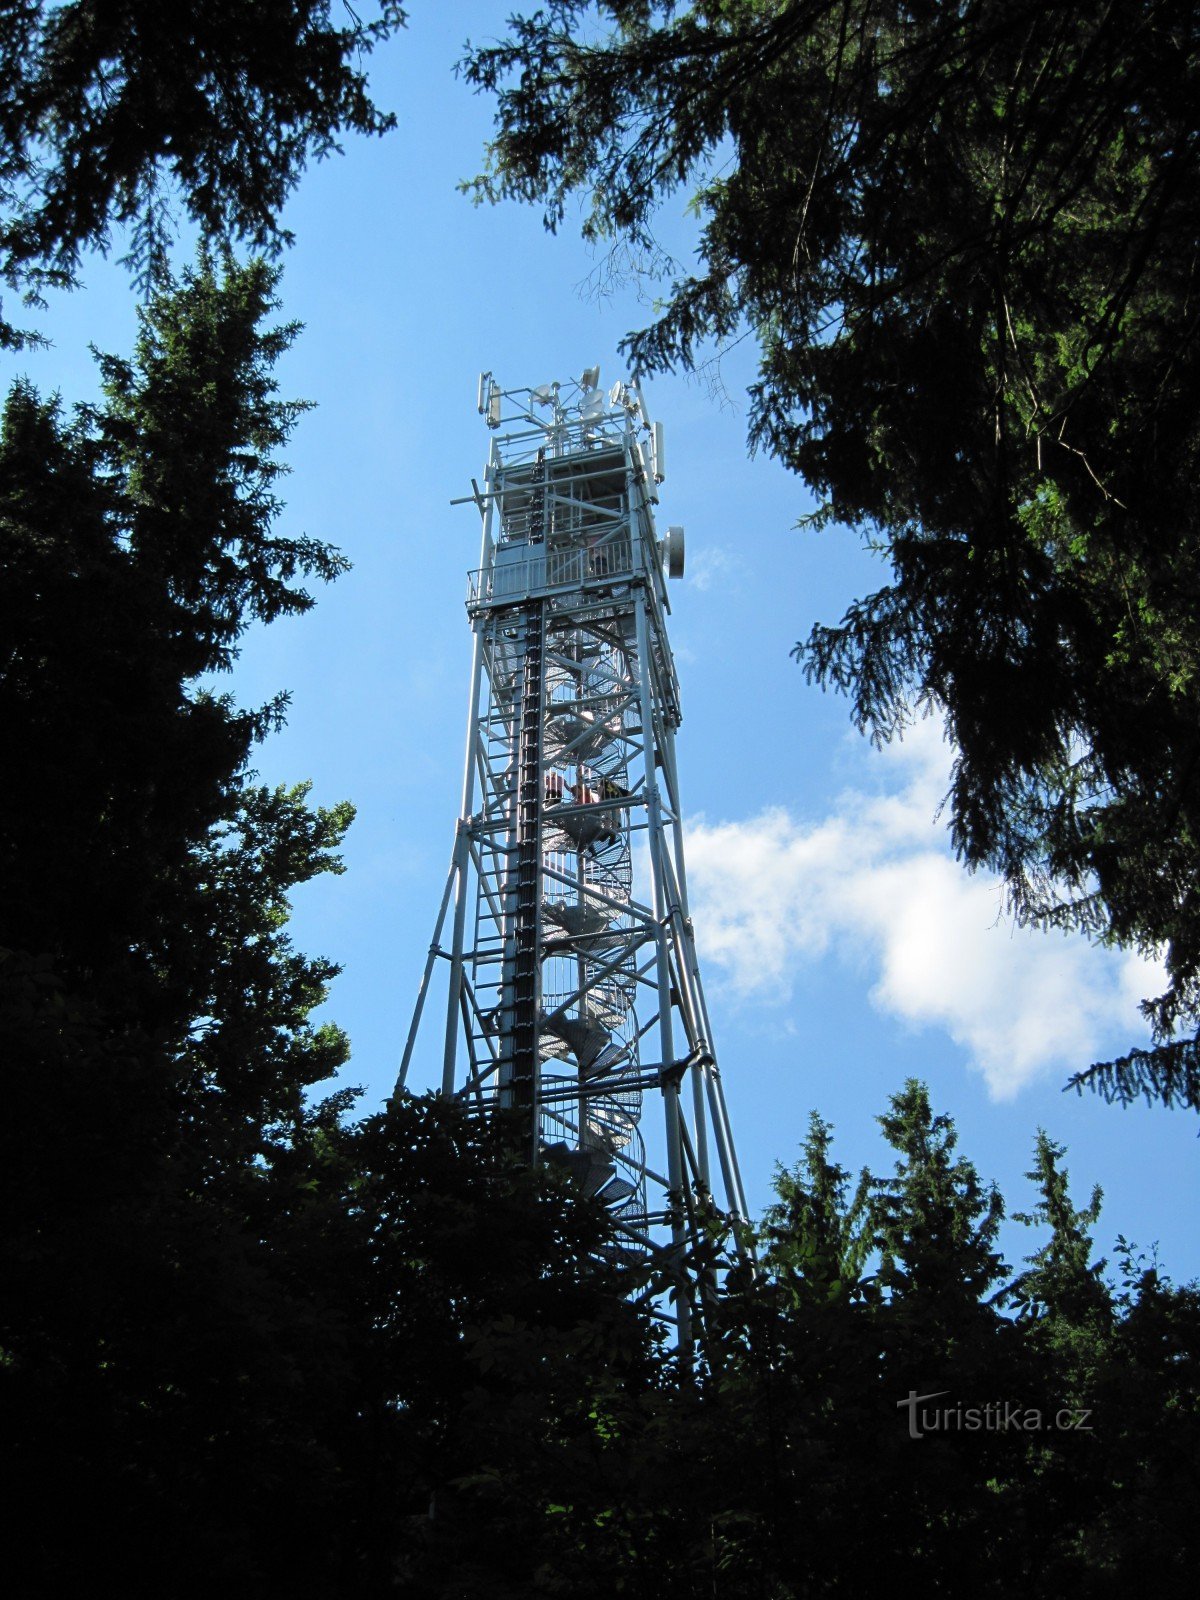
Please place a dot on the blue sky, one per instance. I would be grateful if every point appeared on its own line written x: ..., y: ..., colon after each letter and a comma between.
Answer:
x: 843, y: 948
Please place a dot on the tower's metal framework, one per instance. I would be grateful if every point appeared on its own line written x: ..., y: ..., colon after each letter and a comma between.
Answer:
x: 574, y: 990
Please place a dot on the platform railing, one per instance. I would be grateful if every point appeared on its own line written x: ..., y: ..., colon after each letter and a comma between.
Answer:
x: 514, y: 577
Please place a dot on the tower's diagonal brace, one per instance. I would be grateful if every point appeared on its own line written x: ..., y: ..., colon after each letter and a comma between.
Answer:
x: 565, y: 972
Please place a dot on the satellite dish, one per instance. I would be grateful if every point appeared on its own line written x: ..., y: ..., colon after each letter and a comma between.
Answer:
x: 593, y: 406
x: 616, y: 394
x: 542, y: 395
x: 674, y: 551
x: 591, y: 378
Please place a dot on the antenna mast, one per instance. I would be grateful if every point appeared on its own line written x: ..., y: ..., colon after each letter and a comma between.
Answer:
x: 574, y: 989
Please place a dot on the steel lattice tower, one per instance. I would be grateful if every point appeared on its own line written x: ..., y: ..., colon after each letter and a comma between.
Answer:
x: 574, y: 989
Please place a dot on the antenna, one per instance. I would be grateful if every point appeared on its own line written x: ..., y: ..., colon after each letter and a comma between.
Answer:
x: 635, y: 386
x: 573, y: 993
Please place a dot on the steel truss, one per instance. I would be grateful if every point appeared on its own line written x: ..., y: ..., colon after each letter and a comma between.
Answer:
x: 561, y: 979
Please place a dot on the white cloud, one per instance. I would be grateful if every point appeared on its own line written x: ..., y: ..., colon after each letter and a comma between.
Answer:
x: 711, y: 564
x: 874, y: 884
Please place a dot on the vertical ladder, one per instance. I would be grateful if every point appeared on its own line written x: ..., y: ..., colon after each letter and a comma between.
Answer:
x: 526, y: 899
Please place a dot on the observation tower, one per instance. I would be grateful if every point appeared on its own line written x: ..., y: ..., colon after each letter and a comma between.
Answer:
x: 574, y: 990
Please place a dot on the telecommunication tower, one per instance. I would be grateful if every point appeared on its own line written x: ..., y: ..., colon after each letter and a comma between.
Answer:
x: 574, y: 989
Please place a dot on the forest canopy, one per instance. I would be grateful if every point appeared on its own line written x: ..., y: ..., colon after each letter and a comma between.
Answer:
x: 965, y: 240
x: 249, y: 1341
x: 142, y: 116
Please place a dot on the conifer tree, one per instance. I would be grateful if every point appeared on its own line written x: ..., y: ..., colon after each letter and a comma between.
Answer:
x: 964, y: 240
x: 136, y: 115
x: 157, y: 1040
x: 1062, y: 1281
x: 815, y: 1228
x: 936, y: 1223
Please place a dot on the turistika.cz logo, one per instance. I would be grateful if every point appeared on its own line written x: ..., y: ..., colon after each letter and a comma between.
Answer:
x: 998, y: 1416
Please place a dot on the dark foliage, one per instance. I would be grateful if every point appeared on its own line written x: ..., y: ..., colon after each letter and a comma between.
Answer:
x: 241, y: 1342
x: 247, y: 1344
x: 888, y: 1310
x: 965, y: 240
x: 121, y: 113
x: 157, y: 1045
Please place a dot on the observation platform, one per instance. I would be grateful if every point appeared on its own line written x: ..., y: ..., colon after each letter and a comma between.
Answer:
x: 524, y: 571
